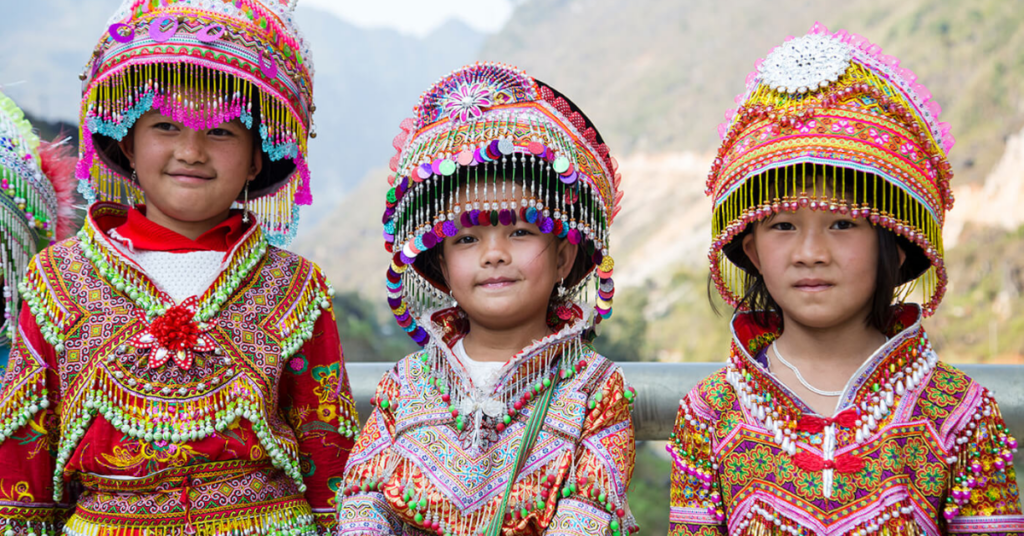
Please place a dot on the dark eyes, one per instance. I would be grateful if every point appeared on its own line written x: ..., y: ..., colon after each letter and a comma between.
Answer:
x: 837, y: 225
x: 516, y: 233
x: 171, y: 127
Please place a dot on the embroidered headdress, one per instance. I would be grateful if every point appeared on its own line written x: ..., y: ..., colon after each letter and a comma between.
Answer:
x: 35, y: 207
x: 203, y: 62
x: 493, y: 128
x: 820, y: 109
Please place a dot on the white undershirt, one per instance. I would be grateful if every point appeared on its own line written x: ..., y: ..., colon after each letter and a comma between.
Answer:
x: 483, y: 373
x: 180, y: 275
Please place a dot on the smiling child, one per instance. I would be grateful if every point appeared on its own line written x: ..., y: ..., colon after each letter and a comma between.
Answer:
x: 173, y: 371
x: 834, y: 415
x: 507, y: 422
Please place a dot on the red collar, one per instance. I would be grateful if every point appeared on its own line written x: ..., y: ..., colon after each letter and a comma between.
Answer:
x: 149, y: 236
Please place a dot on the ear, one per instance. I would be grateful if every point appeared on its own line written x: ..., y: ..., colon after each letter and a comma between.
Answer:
x: 443, y: 265
x: 257, y: 163
x: 902, y: 254
x: 127, y: 145
x: 566, y: 257
x: 750, y: 248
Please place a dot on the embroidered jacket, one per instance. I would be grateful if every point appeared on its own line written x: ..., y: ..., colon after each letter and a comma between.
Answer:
x: 132, y: 414
x: 436, y: 454
x: 915, y: 447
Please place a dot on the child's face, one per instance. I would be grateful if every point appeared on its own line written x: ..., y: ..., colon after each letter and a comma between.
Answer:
x: 820, y: 268
x: 189, y: 175
x: 502, y: 276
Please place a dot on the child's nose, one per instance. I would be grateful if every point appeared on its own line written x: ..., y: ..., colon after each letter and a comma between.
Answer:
x: 191, y: 147
x: 812, y: 249
x: 496, y: 251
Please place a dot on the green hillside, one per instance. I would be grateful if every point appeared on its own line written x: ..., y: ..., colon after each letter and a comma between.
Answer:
x: 657, y: 75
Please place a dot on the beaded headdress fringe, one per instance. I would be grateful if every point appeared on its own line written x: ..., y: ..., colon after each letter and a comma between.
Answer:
x: 35, y: 205
x: 790, y: 187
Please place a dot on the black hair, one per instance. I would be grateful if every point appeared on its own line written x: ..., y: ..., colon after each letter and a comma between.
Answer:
x: 890, y: 274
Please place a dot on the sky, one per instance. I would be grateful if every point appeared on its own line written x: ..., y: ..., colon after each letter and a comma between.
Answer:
x: 418, y: 17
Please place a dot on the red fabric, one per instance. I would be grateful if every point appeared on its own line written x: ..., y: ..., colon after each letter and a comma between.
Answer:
x: 29, y: 463
x: 26, y: 458
x: 815, y: 425
x: 845, y: 463
x: 149, y: 236
x: 306, y: 397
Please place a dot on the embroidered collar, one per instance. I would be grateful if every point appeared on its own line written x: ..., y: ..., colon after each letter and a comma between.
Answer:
x: 897, y: 367
x: 537, y: 367
x: 174, y: 329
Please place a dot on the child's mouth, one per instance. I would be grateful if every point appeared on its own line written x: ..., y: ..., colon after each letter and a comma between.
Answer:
x: 190, y: 176
x: 813, y: 285
x: 497, y: 283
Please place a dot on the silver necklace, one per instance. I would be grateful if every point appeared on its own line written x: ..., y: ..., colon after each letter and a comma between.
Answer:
x: 811, y: 388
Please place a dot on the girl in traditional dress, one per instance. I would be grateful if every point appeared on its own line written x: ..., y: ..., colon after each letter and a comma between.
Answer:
x: 173, y: 371
x: 507, y: 422
x: 35, y: 210
x: 834, y: 415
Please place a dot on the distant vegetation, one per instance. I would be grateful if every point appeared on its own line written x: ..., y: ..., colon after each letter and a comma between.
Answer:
x: 657, y: 75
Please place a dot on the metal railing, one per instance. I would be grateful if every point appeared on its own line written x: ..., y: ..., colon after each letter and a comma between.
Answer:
x: 659, y: 386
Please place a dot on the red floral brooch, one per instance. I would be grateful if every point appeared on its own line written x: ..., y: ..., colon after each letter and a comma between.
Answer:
x: 175, y: 335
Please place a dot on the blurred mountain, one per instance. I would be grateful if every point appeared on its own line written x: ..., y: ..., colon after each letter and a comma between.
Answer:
x: 657, y: 75
x: 367, y: 80
x: 45, y: 47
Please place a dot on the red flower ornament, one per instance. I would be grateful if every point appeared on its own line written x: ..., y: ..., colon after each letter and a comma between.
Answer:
x: 175, y: 335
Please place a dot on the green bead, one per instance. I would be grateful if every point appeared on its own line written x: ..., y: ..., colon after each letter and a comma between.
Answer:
x: 507, y: 419
x: 547, y: 382
x: 614, y: 525
x: 385, y: 404
x: 419, y: 517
